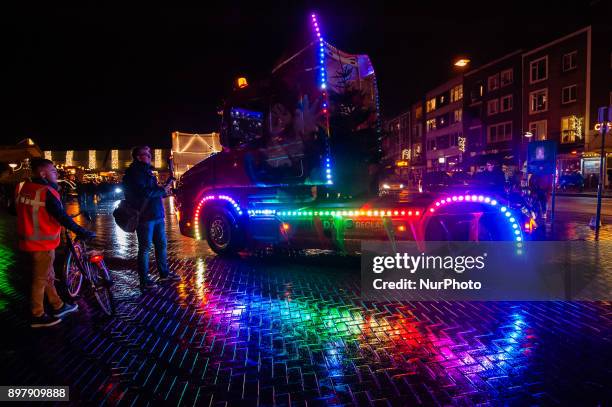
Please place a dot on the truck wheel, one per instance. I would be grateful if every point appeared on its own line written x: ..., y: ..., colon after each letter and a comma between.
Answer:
x: 222, y: 232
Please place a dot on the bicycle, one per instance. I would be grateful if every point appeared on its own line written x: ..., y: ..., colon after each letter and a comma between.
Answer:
x: 85, y: 264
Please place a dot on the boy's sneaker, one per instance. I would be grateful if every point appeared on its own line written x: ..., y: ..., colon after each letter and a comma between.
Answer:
x: 171, y: 276
x: 147, y: 286
x: 44, y: 321
x: 66, y: 309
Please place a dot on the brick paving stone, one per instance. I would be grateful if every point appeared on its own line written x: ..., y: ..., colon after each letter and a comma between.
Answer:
x: 269, y: 330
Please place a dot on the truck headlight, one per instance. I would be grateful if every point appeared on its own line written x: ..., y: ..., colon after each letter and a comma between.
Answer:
x: 386, y: 186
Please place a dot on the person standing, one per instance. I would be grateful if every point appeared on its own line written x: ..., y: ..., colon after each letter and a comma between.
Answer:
x: 139, y: 184
x: 492, y: 178
x: 40, y: 216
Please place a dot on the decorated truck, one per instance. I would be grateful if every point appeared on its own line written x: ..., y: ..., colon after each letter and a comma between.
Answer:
x: 298, y: 168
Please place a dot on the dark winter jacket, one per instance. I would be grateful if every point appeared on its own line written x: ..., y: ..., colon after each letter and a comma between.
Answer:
x: 139, y: 183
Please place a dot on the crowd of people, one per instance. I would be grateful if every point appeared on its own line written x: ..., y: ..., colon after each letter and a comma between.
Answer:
x: 41, y: 215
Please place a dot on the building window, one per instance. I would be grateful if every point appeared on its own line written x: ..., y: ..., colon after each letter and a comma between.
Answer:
x: 568, y: 94
x: 454, y: 139
x: 456, y: 93
x: 418, y: 113
x: 493, y: 82
x: 442, y: 142
x: 477, y: 91
x: 538, y: 101
x: 571, y: 129
x: 538, y: 70
x: 506, y: 77
x: 538, y: 129
x: 570, y: 61
x: 417, y: 151
x: 457, y: 114
x: 91, y: 162
x: 431, y: 144
x: 114, y: 159
x: 492, y: 107
x: 416, y: 131
x: 430, y: 105
x: 499, y: 132
x: 69, y: 157
x: 430, y: 125
x: 442, y: 120
x: 506, y: 103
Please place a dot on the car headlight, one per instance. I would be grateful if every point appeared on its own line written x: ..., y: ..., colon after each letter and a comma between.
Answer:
x: 117, y: 190
x: 401, y: 185
x: 386, y: 186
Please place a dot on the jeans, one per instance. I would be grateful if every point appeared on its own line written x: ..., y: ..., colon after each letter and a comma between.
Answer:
x: 153, y: 231
x: 43, y: 282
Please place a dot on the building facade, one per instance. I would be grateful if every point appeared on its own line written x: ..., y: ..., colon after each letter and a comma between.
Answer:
x: 444, y: 126
x: 565, y: 82
x: 396, y: 143
x: 104, y: 160
x: 417, y: 137
x: 492, y: 113
x: 189, y: 149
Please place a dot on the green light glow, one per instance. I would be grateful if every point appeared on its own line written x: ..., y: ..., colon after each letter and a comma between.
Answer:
x: 7, y: 260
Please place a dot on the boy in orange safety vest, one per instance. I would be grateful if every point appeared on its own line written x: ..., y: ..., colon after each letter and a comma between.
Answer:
x: 40, y: 216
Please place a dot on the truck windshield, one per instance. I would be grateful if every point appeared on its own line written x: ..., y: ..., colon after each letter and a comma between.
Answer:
x: 246, y: 126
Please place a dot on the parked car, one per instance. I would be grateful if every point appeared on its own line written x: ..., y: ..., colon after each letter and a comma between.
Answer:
x: 461, y: 178
x: 572, y: 180
x: 436, y: 181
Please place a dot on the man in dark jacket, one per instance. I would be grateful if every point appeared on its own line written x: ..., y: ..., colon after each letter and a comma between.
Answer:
x: 492, y: 178
x: 139, y: 184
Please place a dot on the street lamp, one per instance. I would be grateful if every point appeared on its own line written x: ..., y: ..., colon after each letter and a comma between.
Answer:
x: 462, y: 62
x: 528, y: 135
x: 13, y: 166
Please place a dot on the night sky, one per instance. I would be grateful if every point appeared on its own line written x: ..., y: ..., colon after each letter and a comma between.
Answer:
x: 101, y: 78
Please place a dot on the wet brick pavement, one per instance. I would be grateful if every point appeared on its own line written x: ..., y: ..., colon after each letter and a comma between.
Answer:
x: 293, y: 331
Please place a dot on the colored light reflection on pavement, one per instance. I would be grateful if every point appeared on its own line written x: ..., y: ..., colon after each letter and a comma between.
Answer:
x: 294, y: 331
x: 7, y: 259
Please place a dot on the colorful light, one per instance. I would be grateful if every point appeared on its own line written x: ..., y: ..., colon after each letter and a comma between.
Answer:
x: 485, y: 200
x: 394, y: 213
x: 323, y: 85
x: 196, y: 217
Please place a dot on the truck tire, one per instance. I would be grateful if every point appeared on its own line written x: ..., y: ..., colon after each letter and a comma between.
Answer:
x: 223, y: 234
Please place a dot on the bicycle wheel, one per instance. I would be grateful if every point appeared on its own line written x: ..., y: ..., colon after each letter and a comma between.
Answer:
x: 72, y: 275
x: 102, y: 282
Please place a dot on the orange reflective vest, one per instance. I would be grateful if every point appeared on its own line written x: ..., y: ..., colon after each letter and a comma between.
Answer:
x: 36, y: 228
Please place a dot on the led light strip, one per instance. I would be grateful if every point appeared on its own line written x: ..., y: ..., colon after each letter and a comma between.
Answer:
x: 332, y: 212
x: 518, y: 236
x: 196, y: 217
x: 323, y: 86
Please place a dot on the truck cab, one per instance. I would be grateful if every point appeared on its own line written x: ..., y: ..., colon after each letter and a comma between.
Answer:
x: 293, y: 170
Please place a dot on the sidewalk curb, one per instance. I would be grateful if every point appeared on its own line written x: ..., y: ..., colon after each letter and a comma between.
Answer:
x: 583, y: 195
